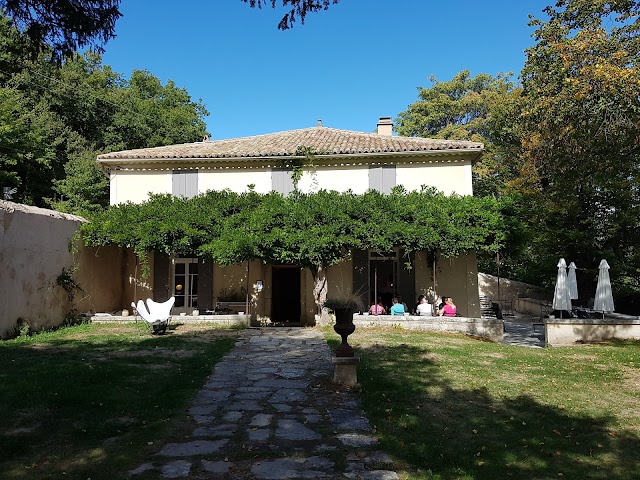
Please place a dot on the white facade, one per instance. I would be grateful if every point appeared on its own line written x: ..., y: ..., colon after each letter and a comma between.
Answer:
x: 449, y: 175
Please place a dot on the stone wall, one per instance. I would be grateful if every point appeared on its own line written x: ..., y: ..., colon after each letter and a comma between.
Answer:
x: 570, y: 331
x: 491, y: 329
x: 36, y: 261
x: 488, y: 287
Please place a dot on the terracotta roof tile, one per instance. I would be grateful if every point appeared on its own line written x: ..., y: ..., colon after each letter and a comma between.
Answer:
x: 324, y: 140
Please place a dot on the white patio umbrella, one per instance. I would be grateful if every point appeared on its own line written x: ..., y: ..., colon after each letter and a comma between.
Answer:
x: 573, y: 283
x: 604, y: 298
x: 561, y: 296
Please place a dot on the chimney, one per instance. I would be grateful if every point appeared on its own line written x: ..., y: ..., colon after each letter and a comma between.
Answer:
x: 319, y: 123
x: 385, y: 126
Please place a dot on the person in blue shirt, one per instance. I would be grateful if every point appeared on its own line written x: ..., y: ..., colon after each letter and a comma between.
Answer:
x: 397, y: 308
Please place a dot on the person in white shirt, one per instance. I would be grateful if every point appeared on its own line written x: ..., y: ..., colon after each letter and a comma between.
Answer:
x: 424, y: 308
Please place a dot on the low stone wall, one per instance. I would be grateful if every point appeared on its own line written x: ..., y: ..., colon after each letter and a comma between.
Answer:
x: 532, y: 306
x: 222, y: 320
x: 570, y: 331
x: 489, y: 328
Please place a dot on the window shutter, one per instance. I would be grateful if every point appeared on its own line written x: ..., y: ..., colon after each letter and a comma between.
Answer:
x: 185, y: 183
x: 281, y: 181
x: 382, y: 178
x: 161, y: 280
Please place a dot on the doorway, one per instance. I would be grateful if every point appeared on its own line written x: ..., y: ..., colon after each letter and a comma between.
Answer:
x: 383, y: 277
x: 185, y: 284
x: 285, y: 298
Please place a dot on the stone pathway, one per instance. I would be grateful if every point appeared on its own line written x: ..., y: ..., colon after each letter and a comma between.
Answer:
x: 522, y: 333
x: 270, y: 411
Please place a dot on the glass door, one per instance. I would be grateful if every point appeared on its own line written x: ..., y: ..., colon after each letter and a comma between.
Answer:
x: 185, y: 284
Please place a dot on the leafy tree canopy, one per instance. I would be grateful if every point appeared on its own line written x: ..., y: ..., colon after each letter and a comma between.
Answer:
x: 465, y: 108
x: 64, y: 26
x: 314, y: 231
x: 55, y: 119
x: 562, y: 148
x: 298, y: 9
x: 579, y: 148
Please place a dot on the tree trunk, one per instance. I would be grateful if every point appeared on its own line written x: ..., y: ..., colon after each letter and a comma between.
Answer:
x: 320, y: 291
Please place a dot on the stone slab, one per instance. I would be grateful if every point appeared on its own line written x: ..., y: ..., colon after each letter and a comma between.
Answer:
x: 198, y: 447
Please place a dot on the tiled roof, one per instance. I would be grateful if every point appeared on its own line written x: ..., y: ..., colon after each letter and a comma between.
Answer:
x: 328, y: 141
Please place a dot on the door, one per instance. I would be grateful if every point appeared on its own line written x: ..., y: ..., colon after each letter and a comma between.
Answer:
x: 285, y: 299
x: 185, y: 285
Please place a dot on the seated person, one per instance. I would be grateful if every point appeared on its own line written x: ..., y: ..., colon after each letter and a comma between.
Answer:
x: 448, y: 309
x: 406, y: 309
x: 415, y: 307
x: 377, y: 308
x: 424, y: 308
x: 396, y: 308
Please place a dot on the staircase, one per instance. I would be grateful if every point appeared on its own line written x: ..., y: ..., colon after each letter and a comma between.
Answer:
x: 486, y: 307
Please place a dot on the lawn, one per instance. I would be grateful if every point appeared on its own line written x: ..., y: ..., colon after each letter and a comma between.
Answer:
x: 93, y: 401
x: 451, y: 407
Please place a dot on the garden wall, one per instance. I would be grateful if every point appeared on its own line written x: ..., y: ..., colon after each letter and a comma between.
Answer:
x: 488, y: 287
x: 491, y: 329
x: 36, y: 264
x: 569, y: 331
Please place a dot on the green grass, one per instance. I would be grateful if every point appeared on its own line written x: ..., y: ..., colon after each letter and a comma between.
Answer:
x: 93, y: 401
x: 450, y: 407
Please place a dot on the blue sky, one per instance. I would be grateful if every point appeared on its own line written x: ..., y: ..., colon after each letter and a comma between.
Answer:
x: 348, y: 66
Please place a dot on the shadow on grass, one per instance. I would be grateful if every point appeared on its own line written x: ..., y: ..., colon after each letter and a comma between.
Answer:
x: 438, y: 431
x: 92, y: 407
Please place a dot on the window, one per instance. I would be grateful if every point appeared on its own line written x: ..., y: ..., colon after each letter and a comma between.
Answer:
x: 185, y: 183
x: 382, y: 178
x: 281, y: 180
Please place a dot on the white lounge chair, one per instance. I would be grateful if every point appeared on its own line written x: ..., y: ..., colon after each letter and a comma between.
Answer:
x: 157, y: 316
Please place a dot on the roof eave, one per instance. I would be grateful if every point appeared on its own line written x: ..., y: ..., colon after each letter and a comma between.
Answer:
x: 475, y: 154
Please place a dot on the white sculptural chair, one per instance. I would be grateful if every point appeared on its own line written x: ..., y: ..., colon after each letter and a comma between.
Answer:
x: 157, y: 316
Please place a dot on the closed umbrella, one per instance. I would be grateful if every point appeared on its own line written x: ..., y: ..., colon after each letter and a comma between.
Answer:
x: 573, y: 283
x: 604, y: 298
x: 561, y: 296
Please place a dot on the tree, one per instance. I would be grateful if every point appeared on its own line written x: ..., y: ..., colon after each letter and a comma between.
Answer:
x: 54, y: 114
x: 578, y: 137
x: 84, y: 188
x: 150, y: 114
x: 299, y: 8
x: 461, y: 109
x: 64, y: 26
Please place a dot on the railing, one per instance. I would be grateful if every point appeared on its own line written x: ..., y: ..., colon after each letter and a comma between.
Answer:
x: 237, y: 306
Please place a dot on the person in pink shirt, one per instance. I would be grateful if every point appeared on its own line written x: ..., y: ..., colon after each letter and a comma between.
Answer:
x: 377, y: 308
x: 448, y: 309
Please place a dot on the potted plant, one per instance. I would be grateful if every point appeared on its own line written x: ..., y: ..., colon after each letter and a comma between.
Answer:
x: 344, y: 306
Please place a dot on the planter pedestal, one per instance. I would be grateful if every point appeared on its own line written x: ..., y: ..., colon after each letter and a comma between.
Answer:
x: 345, y: 363
x: 345, y: 370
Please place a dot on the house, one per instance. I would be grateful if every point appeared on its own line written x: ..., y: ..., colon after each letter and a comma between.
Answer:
x: 343, y: 160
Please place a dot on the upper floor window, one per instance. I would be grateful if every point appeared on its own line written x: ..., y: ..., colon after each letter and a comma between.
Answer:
x: 281, y: 180
x: 185, y: 183
x: 382, y: 178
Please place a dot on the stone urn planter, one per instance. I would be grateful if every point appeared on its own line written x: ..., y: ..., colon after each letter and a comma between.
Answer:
x: 343, y: 308
x: 344, y: 327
